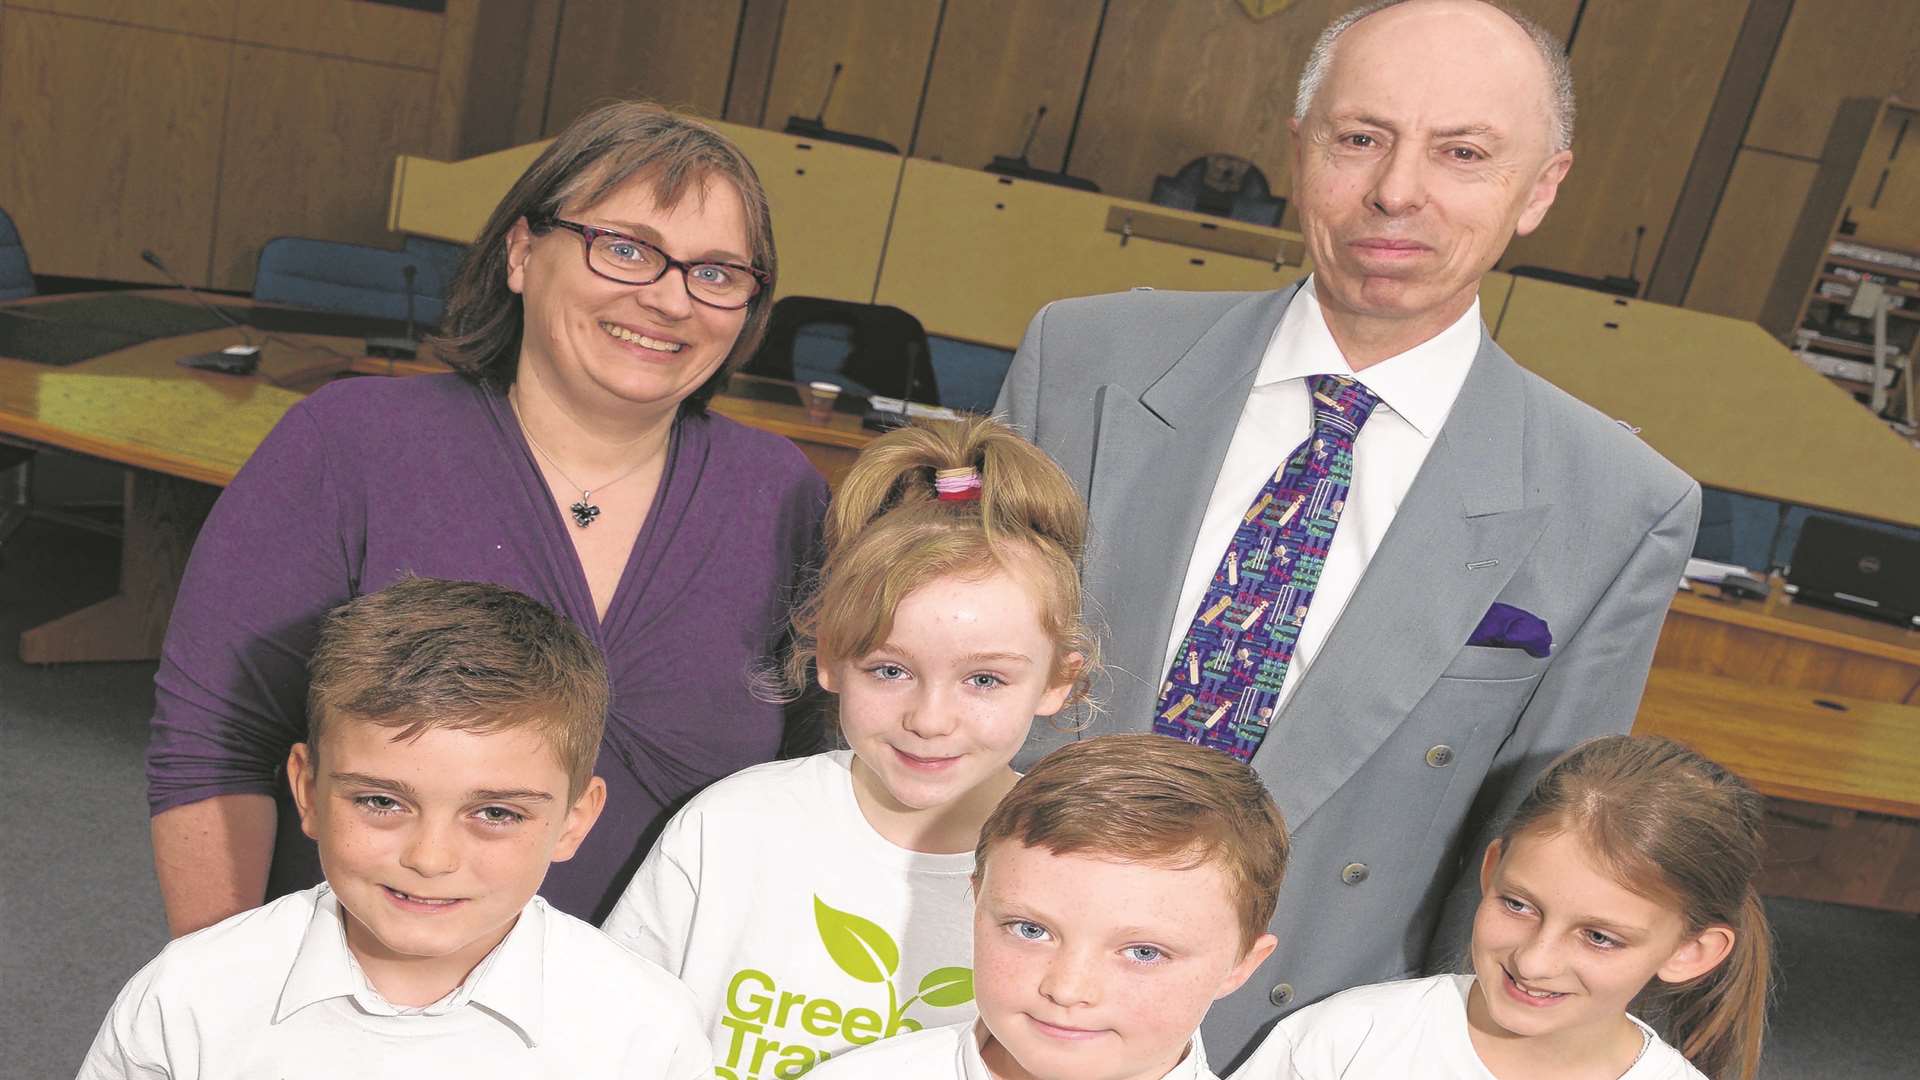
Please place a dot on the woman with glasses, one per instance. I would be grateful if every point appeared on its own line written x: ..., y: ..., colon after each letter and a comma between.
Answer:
x: 571, y: 457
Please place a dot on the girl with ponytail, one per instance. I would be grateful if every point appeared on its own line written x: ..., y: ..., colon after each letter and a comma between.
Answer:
x: 1622, y: 886
x: 822, y: 903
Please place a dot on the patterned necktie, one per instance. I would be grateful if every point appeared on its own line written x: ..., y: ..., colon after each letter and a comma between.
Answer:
x: 1224, y: 686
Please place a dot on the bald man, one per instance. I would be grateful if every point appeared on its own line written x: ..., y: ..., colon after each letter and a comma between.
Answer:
x: 1338, y: 532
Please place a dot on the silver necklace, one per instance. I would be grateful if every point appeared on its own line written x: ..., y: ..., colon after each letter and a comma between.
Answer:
x: 584, y: 511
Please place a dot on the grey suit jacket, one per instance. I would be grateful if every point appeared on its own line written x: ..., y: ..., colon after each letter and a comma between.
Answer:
x: 1402, y: 747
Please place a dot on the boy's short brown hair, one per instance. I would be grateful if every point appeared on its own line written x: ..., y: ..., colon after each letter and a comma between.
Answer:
x: 1151, y: 799
x: 424, y: 653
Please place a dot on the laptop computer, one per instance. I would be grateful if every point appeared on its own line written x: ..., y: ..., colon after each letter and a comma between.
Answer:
x: 1857, y: 569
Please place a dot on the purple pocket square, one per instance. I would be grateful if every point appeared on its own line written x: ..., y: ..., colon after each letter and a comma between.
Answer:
x: 1507, y: 627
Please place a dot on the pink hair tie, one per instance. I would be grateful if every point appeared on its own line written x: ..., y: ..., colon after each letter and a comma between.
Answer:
x: 957, y: 485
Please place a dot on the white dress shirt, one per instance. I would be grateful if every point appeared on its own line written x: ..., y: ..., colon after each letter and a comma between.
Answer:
x: 1416, y: 389
x: 954, y: 1052
x: 274, y: 993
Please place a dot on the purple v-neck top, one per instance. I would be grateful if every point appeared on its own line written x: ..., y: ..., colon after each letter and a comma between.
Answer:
x: 371, y: 479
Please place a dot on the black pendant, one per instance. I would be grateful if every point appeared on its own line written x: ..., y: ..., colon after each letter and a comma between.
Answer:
x: 584, y: 512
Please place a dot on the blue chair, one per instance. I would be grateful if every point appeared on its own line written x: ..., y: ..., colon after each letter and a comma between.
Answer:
x: 1738, y: 529
x: 443, y: 255
x: 969, y: 374
x: 16, y: 280
x: 16, y: 277
x: 327, y: 275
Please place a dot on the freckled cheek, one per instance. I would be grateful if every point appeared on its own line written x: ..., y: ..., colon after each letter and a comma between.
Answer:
x: 357, y: 846
x: 1001, y: 979
x: 1182, y: 1006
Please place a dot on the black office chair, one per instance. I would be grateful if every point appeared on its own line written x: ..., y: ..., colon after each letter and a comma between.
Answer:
x: 1224, y: 186
x: 866, y: 349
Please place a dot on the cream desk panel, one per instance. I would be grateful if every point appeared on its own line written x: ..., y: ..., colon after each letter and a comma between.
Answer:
x: 1719, y: 397
x: 973, y: 255
x: 829, y: 204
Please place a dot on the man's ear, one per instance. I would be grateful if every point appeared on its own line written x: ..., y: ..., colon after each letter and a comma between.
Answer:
x: 519, y: 250
x: 1489, y: 862
x: 302, y: 775
x: 1546, y: 184
x: 1698, y: 955
x: 580, y: 818
x: 1262, y: 948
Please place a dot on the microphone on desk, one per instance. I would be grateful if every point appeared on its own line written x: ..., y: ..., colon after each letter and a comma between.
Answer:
x: 232, y: 360
x: 1020, y: 168
x: 401, y: 348
x: 820, y: 118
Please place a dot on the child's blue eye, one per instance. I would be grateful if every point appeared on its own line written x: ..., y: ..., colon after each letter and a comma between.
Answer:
x: 1600, y: 940
x: 983, y: 681
x: 378, y: 804
x: 500, y: 815
x: 888, y: 672
x: 1518, y: 907
x: 1145, y: 954
x: 1027, y: 931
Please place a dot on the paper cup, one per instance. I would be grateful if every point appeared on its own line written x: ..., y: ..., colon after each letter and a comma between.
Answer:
x: 820, y: 397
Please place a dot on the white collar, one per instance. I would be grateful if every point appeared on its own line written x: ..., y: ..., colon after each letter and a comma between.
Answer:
x: 973, y: 1065
x: 508, y: 983
x: 1420, y: 384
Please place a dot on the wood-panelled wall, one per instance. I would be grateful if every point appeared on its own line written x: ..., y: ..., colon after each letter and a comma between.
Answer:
x: 1136, y: 88
x: 202, y: 127
x: 1829, y: 50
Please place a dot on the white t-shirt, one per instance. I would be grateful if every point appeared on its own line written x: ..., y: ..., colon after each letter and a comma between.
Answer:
x: 954, y: 1051
x: 274, y: 993
x: 1417, y: 390
x: 1393, y: 1030
x: 800, y: 930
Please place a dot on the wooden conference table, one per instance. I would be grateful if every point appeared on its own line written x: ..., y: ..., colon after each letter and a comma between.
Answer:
x: 183, y: 433
x: 1820, y: 711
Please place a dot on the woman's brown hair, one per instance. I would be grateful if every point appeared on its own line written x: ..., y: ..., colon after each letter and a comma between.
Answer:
x: 888, y: 533
x: 677, y: 155
x: 1679, y: 829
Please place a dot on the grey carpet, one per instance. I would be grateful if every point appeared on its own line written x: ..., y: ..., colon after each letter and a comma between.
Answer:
x: 79, y: 912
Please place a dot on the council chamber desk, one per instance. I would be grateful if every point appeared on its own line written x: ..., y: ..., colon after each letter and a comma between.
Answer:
x: 1820, y: 711
x: 98, y: 375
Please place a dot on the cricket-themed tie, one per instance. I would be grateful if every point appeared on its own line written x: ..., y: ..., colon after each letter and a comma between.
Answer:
x: 1224, y: 686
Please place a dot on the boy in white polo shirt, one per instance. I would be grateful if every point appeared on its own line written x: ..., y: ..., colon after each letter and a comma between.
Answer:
x: 453, y: 732
x: 1123, y: 885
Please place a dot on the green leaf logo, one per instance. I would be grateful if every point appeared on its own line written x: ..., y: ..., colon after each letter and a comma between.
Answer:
x: 860, y: 947
x: 943, y: 988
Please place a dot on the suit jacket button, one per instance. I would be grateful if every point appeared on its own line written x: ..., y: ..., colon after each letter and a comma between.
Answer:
x: 1440, y: 756
x: 1281, y: 995
x: 1354, y: 873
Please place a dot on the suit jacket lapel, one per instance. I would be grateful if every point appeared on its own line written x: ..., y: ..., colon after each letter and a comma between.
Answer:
x: 1454, y: 543
x: 1155, y: 457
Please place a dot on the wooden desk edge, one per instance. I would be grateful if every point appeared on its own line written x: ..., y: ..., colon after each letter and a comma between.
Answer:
x: 1748, y: 614
x: 1683, y: 682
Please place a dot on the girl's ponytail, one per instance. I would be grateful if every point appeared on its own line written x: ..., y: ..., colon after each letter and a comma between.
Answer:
x: 1718, y: 1020
x: 937, y: 498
